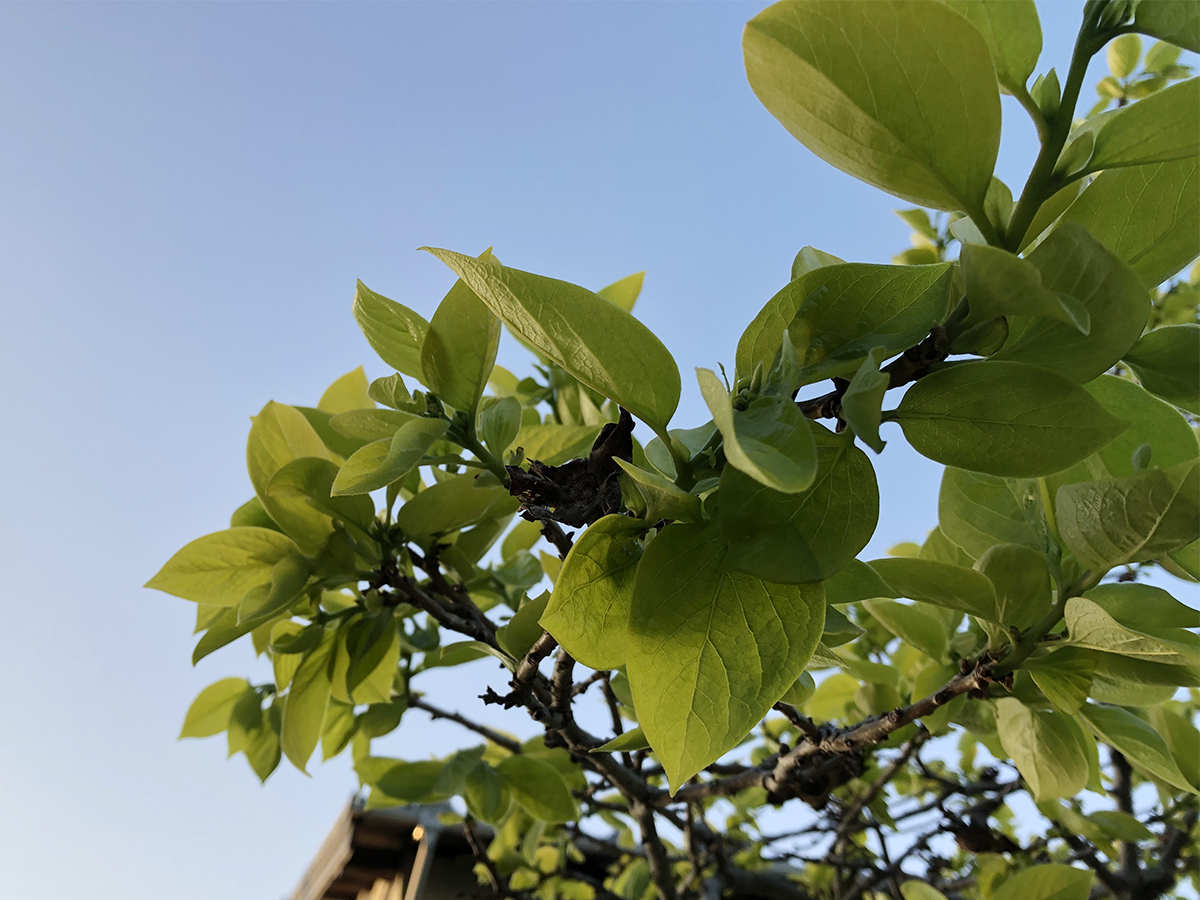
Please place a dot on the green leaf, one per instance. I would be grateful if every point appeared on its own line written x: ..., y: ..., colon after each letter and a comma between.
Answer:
x: 857, y: 581
x: 976, y: 511
x: 380, y: 463
x: 460, y: 346
x: 1065, y: 678
x: 278, y: 435
x: 1175, y: 21
x: 1167, y: 362
x: 1003, y: 418
x: 1013, y: 35
x: 555, y: 444
x: 663, y: 498
x: 809, y: 258
x: 263, y: 749
x: 219, y: 569
x: 307, y: 699
x: 486, y: 794
x: 523, y: 629
x: 1121, y: 825
x: 370, y: 424
x: 251, y: 513
x: 209, y: 712
x: 1049, y: 212
x: 626, y: 743
x: 899, y: 94
x: 709, y: 651
x: 224, y: 629
x: 837, y: 314
x: 919, y: 890
x: 1021, y: 577
x: 1137, y: 742
x: 1048, y: 882
x: 289, y: 577
x: 1092, y: 628
x: 624, y: 293
x: 1148, y: 216
x: 339, y: 727
x: 1001, y: 284
x: 1123, y: 55
x: 451, y: 505
x: 379, y: 719
x: 951, y: 587
x: 1128, y: 681
x: 333, y: 440
x: 539, y: 789
x: 596, y: 341
x: 770, y: 440
x: 499, y: 423
x: 404, y: 782
x: 806, y: 537
x: 1162, y: 127
x: 1182, y: 740
x: 911, y: 624
x: 1044, y: 749
x: 1143, y: 606
x: 940, y: 548
x: 588, y: 613
x: 299, y: 499
x: 347, y: 393
x: 1075, y: 264
x: 1121, y: 520
x: 395, y: 332
x: 862, y: 400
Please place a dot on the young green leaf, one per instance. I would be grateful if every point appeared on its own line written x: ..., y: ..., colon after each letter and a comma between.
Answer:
x: 1003, y: 418
x: 1013, y: 34
x: 395, y: 332
x: 555, y: 444
x: 1137, y: 742
x: 288, y: 579
x: 499, y: 423
x: 1065, y: 677
x: 951, y: 587
x: 1091, y: 628
x: 1001, y: 284
x: 593, y: 339
x: 1043, y: 747
x: 1049, y: 882
x: 1075, y: 264
x: 451, y: 505
x: 1167, y: 362
x: 307, y: 699
x: 901, y: 95
x: 588, y: 613
x: 770, y: 441
x: 524, y: 628
x: 709, y: 651
x: 857, y: 581
x: 278, y: 435
x: 624, y: 293
x: 805, y: 537
x: 209, y: 712
x: 539, y: 789
x: 370, y: 424
x: 1148, y: 216
x: 219, y: 569
x: 1021, y: 577
x: 837, y: 314
x: 1164, y: 126
x: 1182, y: 739
x: 662, y: 497
x: 912, y: 624
x: 1123, y: 55
x: 460, y: 346
x: 1121, y: 520
x: 976, y: 511
x: 809, y: 258
x: 863, y: 400
x: 302, y: 490
x: 1176, y: 21
x: 380, y: 463
x: 347, y: 393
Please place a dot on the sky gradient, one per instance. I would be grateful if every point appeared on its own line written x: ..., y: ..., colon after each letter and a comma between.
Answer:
x: 187, y: 194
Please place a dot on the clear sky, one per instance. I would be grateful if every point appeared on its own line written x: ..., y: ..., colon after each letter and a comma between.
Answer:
x: 187, y: 193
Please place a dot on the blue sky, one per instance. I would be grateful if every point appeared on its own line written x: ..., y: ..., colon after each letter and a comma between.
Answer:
x: 187, y: 193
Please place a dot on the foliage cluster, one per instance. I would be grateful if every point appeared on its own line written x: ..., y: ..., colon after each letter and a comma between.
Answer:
x: 1050, y: 360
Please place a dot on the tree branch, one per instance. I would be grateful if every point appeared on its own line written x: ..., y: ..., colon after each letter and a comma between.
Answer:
x: 500, y: 740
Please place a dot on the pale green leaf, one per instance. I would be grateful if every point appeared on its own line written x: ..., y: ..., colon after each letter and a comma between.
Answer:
x: 524, y: 628
x: 862, y: 400
x: 709, y: 651
x: 809, y: 258
x: 1137, y: 742
x: 663, y: 498
x: 1075, y: 264
x: 901, y: 95
x: 1043, y: 747
x: 770, y: 440
x: 1021, y: 577
x: 805, y: 537
x: 499, y: 423
x: 976, y: 511
x: 460, y: 346
x: 380, y: 463
x: 1048, y: 882
x: 1092, y: 628
x: 1167, y: 362
x: 1182, y: 739
x: 596, y: 341
x: 1003, y: 418
x: 1123, y: 55
x: 1164, y: 126
x: 634, y: 739
x: 624, y: 293
x: 1065, y: 678
x: 288, y: 579
x: 948, y: 586
x: 347, y: 393
x: 219, y: 569
x: 394, y: 331
x: 555, y: 444
x: 913, y: 625
x: 837, y: 314
x: 307, y: 700
x: 451, y: 505
x: 370, y: 424
x: 278, y: 435
x: 1122, y: 520
x: 209, y: 712
x: 919, y: 890
x: 1013, y: 35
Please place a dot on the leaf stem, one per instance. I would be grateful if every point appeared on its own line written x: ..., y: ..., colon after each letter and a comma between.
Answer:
x: 1042, y: 182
